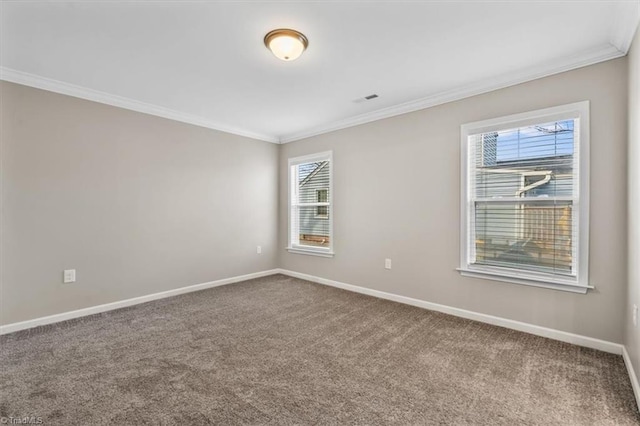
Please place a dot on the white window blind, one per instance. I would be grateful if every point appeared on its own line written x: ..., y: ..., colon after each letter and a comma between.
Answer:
x: 523, y: 197
x: 310, y: 207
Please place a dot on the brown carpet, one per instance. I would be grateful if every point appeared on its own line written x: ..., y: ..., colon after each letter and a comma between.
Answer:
x: 279, y: 350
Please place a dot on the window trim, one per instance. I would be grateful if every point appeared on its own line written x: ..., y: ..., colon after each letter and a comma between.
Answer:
x: 579, y: 284
x: 298, y: 248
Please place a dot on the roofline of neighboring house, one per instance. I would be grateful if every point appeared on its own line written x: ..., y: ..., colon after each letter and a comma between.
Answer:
x: 313, y: 173
x: 535, y: 159
x: 555, y: 163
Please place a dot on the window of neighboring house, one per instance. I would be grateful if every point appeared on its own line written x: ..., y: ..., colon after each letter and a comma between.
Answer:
x: 322, y: 196
x: 310, y: 207
x: 524, y: 205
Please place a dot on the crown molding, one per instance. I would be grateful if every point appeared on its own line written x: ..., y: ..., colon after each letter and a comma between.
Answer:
x: 38, y: 82
x: 625, y: 25
x: 622, y: 37
x: 590, y: 57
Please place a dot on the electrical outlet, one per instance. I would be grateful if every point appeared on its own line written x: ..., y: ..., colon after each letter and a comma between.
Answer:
x: 259, y: 249
x: 69, y: 276
x: 387, y: 264
x: 635, y: 315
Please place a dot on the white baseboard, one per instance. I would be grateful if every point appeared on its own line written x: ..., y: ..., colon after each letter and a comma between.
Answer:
x: 632, y: 375
x: 550, y: 333
x: 17, y: 326
x: 563, y: 336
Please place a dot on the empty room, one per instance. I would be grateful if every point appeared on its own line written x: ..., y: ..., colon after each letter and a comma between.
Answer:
x: 320, y: 212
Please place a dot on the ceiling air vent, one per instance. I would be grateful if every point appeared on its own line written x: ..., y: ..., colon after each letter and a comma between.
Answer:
x: 366, y: 98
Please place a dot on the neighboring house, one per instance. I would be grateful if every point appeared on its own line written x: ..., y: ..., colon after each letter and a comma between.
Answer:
x: 538, y: 229
x: 314, y: 221
x: 527, y: 178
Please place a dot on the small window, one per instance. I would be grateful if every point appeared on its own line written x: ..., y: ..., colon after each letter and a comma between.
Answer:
x: 310, y: 207
x: 322, y: 196
x: 525, y: 198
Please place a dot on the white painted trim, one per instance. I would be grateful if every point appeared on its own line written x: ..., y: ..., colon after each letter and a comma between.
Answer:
x: 32, y: 80
x: 310, y: 252
x: 579, y: 283
x: 563, y: 336
x: 603, y: 53
x: 590, y: 57
x: 514, y: 279
x: 311, y: 158
x: 292, y: 182
x: 627, y: 18
x: 632, y: 375
x: 51, y: 319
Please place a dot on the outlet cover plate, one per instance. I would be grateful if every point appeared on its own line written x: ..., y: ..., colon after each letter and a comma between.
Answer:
x: 69, y: 276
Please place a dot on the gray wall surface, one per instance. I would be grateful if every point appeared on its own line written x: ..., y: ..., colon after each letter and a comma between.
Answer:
x: 136, y: 204
x: 139, y: 204
x: 632, y: 336
x: 401, y: 177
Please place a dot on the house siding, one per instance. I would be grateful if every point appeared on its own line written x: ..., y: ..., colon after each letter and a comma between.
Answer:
x: 310, y: 223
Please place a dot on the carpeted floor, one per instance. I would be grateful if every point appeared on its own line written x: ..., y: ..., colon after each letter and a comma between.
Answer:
x: 279, y: 350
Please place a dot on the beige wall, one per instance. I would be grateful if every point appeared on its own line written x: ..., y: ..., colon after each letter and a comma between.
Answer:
x: 396, y: 195
x: 137, y: 204
x: 632, y: 336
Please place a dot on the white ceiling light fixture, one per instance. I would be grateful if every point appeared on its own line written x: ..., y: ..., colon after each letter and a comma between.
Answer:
x: 286, y: 44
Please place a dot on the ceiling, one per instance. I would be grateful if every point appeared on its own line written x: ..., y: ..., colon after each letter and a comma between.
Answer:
x: 205, y: 62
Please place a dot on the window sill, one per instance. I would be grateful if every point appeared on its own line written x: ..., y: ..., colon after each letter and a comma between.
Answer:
x: 310, y: 252
x: 525, y: 280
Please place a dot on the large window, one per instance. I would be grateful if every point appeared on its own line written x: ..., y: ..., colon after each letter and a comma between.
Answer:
x: 525, y: 198
x: 310, y: 208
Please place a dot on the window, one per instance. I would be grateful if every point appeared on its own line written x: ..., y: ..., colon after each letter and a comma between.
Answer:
x: 310, y: 208
x: 322, y: 196
x: 524, y: 205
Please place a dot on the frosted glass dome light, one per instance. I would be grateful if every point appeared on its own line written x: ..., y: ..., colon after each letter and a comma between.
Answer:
x: 286, y: 44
